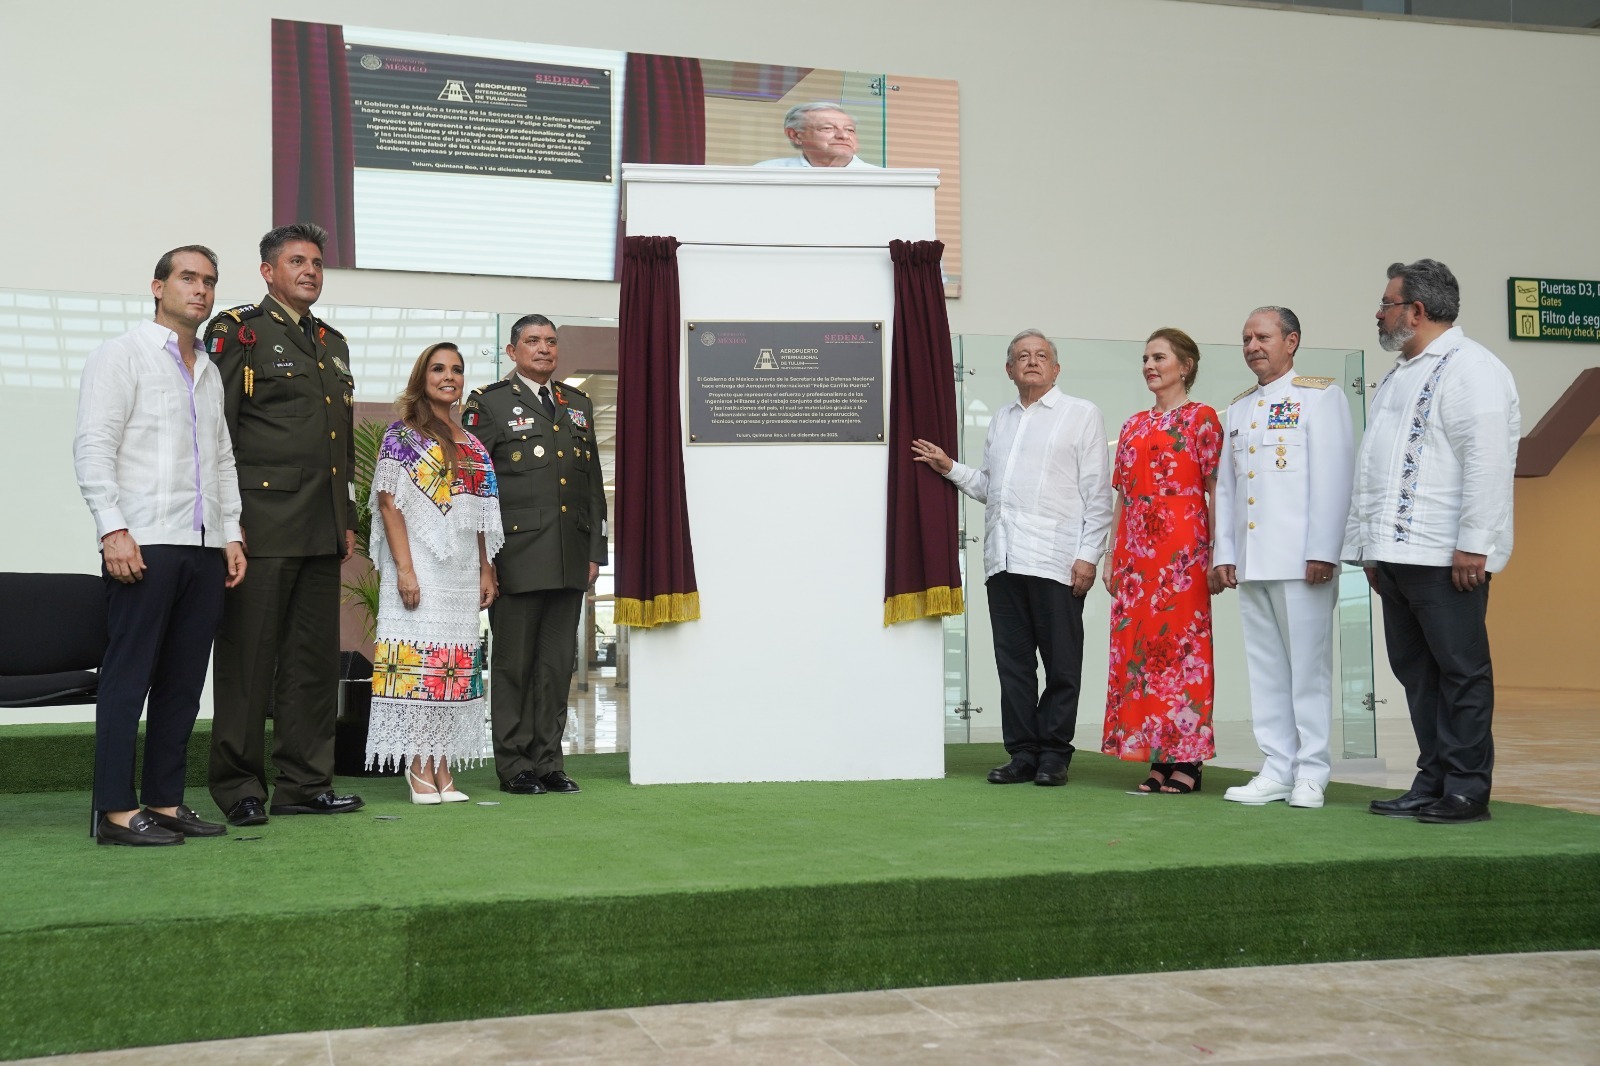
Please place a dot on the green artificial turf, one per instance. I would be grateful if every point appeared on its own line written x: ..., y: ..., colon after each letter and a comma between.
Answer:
x: 624, y: 896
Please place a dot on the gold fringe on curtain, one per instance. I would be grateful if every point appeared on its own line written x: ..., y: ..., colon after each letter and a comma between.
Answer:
x: 929, y: 604
x: 667, y: 607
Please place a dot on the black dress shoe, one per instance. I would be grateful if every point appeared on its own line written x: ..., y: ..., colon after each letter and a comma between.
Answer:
x: 1455, y: 808
x: 188, y: 823
x: 558, y: 781
x: 1403, y: 806
x: 1051, y: 773
x: 248, y: 811
x: 1013, y: 773
x: 140, y: 832
x: 524, y: 784
x: 327, y: 803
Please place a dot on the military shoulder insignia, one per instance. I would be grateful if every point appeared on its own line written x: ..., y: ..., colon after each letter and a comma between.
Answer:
x: 1313, y: 383
x: 1243, y: 394
x: 240, y: 313
x: 574, y: 390
x: 502, y: 383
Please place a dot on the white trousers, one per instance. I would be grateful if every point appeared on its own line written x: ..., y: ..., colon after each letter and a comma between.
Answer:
x: 1288, y: 643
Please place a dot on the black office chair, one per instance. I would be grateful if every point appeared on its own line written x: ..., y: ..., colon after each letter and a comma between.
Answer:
x: 52, y: 638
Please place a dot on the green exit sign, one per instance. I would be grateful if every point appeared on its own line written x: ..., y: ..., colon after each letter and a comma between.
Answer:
x: 1554, y: 309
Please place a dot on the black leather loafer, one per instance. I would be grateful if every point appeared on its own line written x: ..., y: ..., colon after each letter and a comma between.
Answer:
x: 1012, y: 773
x: 558, y: 781
x: 327, y: 803
x: 1454, y: 808
x: 524, y: 784
x: 1051, y: 774
x: 248, y: 811
x: 187, y: 822
x: 1403, y: 806
x: 140, y: 832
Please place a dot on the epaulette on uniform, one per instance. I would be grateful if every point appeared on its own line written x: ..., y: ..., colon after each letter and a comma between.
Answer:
x: 238, y: 314
x: 481, y: 389
x: 324, y: 325
x: 572, y: 389
x: 1313, y: 383
x: 1243, y: 394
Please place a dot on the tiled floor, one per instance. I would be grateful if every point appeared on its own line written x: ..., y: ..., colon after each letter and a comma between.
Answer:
x: 1495, y: 1010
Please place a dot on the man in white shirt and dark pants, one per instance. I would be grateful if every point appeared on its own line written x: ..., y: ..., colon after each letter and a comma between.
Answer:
x: 1045, y: 482
x: 1282, y: 499
x: 1430, y: 520
x: 155, y: 465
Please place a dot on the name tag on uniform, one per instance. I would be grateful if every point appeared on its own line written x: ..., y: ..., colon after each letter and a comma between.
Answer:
x: 284, y: 364
x: 1233, y: 433
x: 1284, y: 415
x: 519, y: 424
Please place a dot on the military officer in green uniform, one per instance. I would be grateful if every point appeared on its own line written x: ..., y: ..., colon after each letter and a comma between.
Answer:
x: 540, y: 434
x: 288, y: 397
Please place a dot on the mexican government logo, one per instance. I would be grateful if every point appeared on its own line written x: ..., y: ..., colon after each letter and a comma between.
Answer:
x: 371, y: 62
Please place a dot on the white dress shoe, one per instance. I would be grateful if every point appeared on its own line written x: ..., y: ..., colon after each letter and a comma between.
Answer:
x: 429, y: 795
x: 1260, y: 791
x: 1307, y: 793
x: 452, y: 795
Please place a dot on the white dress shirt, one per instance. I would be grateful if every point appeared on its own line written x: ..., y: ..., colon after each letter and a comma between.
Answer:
x: 801, y: 161
x: 1045, y: 484
x: 1436, y: 465
x: 140, y: 428
x: 1283, y: 492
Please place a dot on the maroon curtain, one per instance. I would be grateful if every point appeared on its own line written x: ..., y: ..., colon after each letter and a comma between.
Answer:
x: 655, y: 580
x: 313, y: 145
x: 922, y: 575
x: 664, y: 110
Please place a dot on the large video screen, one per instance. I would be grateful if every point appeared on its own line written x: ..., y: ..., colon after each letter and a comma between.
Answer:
x: 429, y: 152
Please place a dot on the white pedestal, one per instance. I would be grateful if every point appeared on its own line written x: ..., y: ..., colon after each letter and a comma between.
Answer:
x: 790, y: 674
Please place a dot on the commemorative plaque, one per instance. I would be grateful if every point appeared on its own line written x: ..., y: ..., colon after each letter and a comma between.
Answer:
x: 785, y: 382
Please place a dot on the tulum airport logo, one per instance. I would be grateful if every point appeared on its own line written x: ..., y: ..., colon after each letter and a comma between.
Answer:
x: 372, y: 62
x: 455, y: 89
x: 707, y: 338
x: 765, y: 361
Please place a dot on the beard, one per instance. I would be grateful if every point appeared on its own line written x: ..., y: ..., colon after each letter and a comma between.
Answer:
x: 1393, y: 342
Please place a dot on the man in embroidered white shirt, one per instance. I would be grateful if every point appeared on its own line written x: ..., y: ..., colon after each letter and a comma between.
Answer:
x: 155, y: 465
x: 1430, y: 520
x: 1045, y: 482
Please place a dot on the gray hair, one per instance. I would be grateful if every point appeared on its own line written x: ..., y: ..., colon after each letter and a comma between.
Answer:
x: 796, y: 118
x: 524, y: 322
x: 275, y: 239
x: 1288, y: 321
x: 164, y: 264
x: 1430, y: 283
x: 1011, y: 349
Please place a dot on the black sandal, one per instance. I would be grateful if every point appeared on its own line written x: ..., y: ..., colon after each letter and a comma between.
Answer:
x: 1159, y: 772
x: 1191, y: 770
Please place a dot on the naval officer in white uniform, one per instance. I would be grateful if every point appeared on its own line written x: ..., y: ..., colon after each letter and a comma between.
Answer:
x: 1282, y: 500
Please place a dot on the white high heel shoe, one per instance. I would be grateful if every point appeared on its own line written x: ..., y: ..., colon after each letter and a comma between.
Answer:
x: 430, y: 797
x: 449, y: 794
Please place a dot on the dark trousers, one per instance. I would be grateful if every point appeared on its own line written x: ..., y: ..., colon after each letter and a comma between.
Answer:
x: 279, y: 639
x: 161, y: 630
x: 530, y: 672
x: 1439, y: 649
x: 1035, y: 618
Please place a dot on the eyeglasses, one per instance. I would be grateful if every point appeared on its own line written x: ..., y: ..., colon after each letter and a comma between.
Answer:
x: 1384, y: 305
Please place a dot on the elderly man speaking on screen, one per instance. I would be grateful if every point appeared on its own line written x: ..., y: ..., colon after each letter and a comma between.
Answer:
x: 824, y: 135
x: 1045, y: 482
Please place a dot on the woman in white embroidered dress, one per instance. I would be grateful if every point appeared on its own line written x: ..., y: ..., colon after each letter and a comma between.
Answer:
x: 435, y: 491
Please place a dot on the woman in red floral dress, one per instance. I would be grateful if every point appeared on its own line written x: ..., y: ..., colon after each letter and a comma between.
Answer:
x: 1158, y: 698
